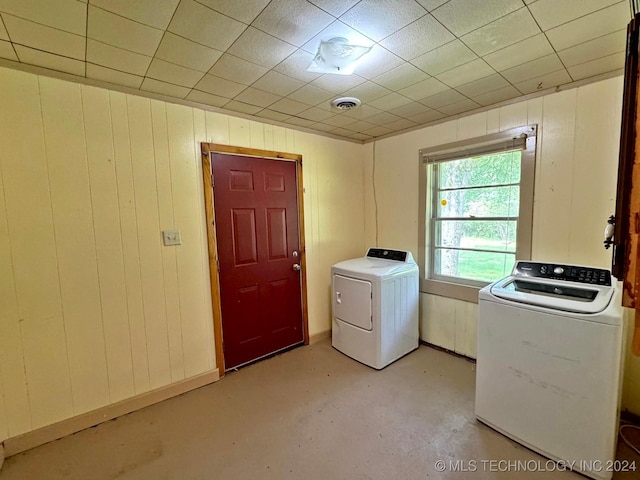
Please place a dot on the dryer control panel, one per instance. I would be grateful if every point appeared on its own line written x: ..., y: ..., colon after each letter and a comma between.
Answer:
x: 387, y: 254
x: 568, y: 273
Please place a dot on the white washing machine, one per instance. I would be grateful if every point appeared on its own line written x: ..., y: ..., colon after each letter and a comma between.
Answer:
x: 375, y: 306
x: 549, y: 364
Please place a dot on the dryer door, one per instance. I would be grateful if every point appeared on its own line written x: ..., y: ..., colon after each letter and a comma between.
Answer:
x: 352, y: 301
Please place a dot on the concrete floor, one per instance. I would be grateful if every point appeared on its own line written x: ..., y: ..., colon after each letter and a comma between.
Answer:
x: 309, y: 413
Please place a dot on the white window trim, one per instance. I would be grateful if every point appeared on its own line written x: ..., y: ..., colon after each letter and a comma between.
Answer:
x: 462, y: 149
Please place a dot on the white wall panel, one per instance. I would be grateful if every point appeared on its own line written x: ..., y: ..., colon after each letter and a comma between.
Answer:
x: 75, y: 242
x: 130, y: 242
x: 108, y: 237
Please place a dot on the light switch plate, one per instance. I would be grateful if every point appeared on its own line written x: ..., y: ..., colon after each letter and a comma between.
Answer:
x: 171, y: 237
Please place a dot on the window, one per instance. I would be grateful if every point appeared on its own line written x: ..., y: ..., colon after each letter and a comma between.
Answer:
x: 476, y: 210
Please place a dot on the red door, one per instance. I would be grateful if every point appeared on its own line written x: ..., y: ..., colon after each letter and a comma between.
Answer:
x: 257, y: 233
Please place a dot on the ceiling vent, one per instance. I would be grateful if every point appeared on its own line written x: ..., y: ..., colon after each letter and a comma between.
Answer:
x: 345, y: 103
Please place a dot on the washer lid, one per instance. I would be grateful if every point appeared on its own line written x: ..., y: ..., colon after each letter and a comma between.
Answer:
x: 565, y: 296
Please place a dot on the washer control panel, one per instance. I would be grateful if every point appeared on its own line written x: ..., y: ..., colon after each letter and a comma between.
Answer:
x: 568, y: 273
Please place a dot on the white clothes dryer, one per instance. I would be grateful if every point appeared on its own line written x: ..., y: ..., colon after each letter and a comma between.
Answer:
x: 549, y: 364
x: 375, y: 306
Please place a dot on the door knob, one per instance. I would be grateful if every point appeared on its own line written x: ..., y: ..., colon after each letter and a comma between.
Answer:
x: 297, y: 267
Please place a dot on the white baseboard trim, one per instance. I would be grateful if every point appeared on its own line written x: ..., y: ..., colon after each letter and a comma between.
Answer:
x: 317, y: 337
x: 75, y: 424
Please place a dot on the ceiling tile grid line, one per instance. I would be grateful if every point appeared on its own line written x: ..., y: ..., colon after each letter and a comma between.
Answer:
x: 429, y: 58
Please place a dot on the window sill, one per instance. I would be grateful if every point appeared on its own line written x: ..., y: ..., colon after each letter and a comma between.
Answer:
x: 457, y: 291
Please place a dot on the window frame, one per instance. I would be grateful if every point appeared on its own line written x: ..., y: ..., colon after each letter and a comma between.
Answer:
x: 523, y: 138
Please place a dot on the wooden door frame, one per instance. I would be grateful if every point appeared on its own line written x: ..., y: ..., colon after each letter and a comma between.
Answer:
x: 207, y: 178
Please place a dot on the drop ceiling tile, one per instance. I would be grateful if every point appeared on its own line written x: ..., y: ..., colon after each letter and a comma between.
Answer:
x: 377, y: 131
x: 594, y: 25
x: 497, y: 96
x: 323, y: 127
x: 278, y: 83
x: 535, y: 68
x: 109, y: 75
x: 207, y: 98
x: 219, y: 86
x: 361, y: 113
x: 120, y: 32
x: 7, y: 51
x: 410, y: 109
x: 393, y: 100
x: 202, y: 25
x: 44, y: 38
x: 444, y: 58
x: 377, y: 61
x: 260, y: 98
x: 301, y: 122
x: 373, y: 18
x: 466, y: 73
x: 184, y: 52
x: 424, y: 89
x: 463, y: 16
x: 3, y: 31
x: 67, y: 15
x: 286, y: 105
x: 311, y: 95
x: 599, y: 47
x: 242, y: 107
x: 172, y: 73
x: 337, y: 29
x: 383, y: 118
x: 598, y: 66
x: 337, y: 83
x: 237, y: 70
x: 401, y: 124
x: 503, y: 32
x: 417, y: 38
x: 359, y: 126
x: 49, y: 60
x: 551, y: 13
x: 543, y: 82
x: 295, y: 66
x: 335, y: 7
x: 427, y: 117
x: 367, y: 91
x: 315, y: 114
x: 260, y: 48
x: 156, y: 14
x: 357, y: 136
x: 272, y: 115
x: 442, y: 99
x: 431, y: 4
x: 116, y: 58
x: 163, y: 88
x: 519, y: 53
x: 339, y: 120
x: 401, y: 77
x: 243, y: 10
x: 294, y: 21
x: 483, y: 85
x: 459, y: 107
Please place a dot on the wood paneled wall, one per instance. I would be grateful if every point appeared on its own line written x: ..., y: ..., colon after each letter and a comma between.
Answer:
x: 93, y: 308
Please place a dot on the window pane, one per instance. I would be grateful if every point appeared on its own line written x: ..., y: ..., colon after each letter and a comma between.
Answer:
x: 495, y: 169
x: 480, y: 202
x: 484, y: 266
x: 477, y: 234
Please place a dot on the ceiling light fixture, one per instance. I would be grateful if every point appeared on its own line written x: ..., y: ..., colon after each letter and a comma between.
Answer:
x: 337, y: 56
